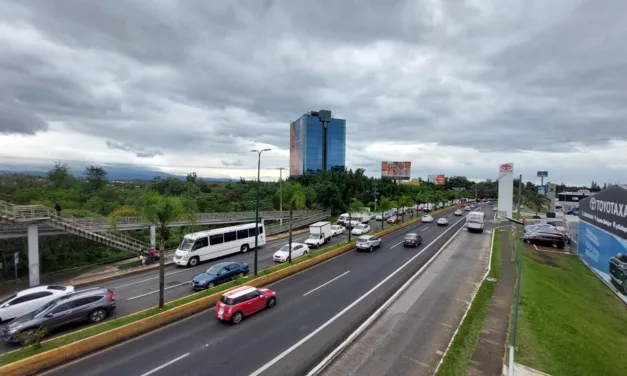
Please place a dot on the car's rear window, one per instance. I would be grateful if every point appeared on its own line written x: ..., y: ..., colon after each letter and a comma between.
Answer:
x: 58, y: 288
x: 226, y: 300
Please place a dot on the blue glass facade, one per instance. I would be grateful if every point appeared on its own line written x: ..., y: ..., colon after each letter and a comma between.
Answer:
x: 307, y: 152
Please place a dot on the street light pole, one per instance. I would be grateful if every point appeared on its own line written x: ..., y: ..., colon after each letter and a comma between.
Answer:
x: 257, y: 206
x: 281, y: 193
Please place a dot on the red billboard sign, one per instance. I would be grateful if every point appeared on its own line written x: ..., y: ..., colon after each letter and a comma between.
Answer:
x: 506, y: 167
x: 396, y: 170
x: 440, y: 180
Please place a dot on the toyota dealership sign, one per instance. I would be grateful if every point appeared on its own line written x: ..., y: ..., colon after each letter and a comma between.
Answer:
x: 506, y: 167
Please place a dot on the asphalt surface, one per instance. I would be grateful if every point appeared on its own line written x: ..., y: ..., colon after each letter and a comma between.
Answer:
x: 316, y: 309
x: 410, y: 337
x: 141, y: 291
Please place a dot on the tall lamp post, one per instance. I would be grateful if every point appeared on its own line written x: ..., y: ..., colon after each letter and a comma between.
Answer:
x: 257, y: 206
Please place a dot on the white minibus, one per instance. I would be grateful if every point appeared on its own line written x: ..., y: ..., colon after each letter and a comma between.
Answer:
x: 207, y: 245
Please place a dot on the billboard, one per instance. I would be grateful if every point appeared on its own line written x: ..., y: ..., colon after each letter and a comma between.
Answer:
x: 543, y: 174
x: 296, y: 152
x: 396, y: 170
x: 506, y: 189
x: 602, y: 237
x: 440, y: 180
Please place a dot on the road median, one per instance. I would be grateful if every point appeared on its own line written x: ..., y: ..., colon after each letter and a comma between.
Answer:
x: 56, y: 351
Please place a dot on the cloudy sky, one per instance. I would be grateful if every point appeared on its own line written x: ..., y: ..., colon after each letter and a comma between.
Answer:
x: 457, y: 87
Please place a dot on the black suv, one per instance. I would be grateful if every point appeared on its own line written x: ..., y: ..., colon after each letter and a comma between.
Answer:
x: 618, y: 271
x: 93, y: 305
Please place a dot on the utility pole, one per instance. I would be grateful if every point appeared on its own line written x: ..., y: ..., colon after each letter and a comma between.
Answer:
x: 281, y: 193
x: 375, y: 197
x: 519, y: 194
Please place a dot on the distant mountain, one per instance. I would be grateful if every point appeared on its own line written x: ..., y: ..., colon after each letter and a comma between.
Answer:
x: 113, y: 173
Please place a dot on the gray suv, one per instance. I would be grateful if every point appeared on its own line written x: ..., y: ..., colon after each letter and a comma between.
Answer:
x: 93, y: 305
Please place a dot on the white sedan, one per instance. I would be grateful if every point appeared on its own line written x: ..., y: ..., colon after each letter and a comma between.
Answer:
x: 427, y: 219
x: 442, y: 222
x: 31, y: 299
x: 337, y: 230
x: 298, y: 250
x: 360, y: 229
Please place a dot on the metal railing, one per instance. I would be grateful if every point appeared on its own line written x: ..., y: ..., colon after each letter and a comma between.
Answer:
x: 271, y: 230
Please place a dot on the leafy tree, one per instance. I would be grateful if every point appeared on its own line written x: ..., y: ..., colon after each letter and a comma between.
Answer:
x: 159, y: 211
x: 536, y: 201
x: 96, y: 177
x: 294, y: 198
x: 385, y: 205
x: 60, y: 175
x: 191, y: 178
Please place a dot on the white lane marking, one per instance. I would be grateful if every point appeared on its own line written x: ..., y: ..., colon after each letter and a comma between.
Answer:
x: 156, y: 291
x: 425, y: 229
x: 342, y: 312
x: 148, y: 279
x: 326, y: 283
x: 399, y: 243
x: 534, y: 246
x: 164, y: 365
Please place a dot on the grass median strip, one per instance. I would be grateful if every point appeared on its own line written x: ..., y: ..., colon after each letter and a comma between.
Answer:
x: 456, y: 360
x: 70, y: 338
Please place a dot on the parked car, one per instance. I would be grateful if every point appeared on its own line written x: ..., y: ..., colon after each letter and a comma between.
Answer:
x: 93, y: 305
x: 545, y: 237
x: 368, y: 242
x: 442, y: 221
x: 427, y: 219
x: 412, y: 240
x: 298, y: 250
x: 618, y: 271
x: 243, y: 301
x: 31, y: 299
x: 219, y: 273
x: 337, y: 230
x: 458, y: 212
x: 360, y: 229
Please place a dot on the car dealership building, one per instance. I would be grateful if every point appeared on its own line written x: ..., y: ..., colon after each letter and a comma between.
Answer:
x: 602, y: 236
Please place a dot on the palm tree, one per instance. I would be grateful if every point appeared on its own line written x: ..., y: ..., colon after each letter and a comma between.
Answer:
x: 160, y: 211
x: 295, y: 198
x: 354, y: 207
x: 405, y: 201
x: 536, y: 201
x: 385, y: 205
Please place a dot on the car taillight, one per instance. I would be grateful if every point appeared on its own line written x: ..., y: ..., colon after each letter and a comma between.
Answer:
x: 111, y: 296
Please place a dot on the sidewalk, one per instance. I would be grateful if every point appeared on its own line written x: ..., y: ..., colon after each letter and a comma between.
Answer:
x: 489, y: 353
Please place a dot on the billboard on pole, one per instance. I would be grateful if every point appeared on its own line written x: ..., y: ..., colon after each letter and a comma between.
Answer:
x: 543, y: 174
x: 396, y: 170
x: 440, y: 180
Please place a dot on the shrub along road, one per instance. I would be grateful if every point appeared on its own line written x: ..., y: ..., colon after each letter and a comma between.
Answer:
x: 315, y: 308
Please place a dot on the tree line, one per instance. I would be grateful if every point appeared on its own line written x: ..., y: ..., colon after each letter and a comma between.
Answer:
x: 93, y: 195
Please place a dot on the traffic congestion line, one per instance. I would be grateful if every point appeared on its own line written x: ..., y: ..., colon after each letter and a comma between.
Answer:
x: 342, y: 312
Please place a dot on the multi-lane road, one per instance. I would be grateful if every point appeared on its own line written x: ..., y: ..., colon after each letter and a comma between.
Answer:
x: 315, y: 309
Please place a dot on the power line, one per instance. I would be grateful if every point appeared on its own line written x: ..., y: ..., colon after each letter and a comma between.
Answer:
x: 84, y: 162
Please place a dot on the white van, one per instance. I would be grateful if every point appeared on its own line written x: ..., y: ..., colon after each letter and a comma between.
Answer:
x: 207, y: 245
x: 475, y: 221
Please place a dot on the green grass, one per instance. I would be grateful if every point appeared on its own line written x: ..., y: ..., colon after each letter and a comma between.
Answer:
x: 570, y: 323
x: 26, y: 352
x: 461, y: 350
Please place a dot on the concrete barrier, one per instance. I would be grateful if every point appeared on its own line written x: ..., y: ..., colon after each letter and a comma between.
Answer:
x: 54, y: 357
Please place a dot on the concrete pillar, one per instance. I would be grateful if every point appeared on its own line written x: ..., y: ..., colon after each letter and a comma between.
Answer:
x: 153, y: 236
x: 33, y: 255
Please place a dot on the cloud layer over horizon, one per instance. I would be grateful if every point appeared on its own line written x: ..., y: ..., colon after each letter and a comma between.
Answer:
x: 456, y: 87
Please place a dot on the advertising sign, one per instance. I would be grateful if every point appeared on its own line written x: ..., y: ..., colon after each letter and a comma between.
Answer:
x: 440, y: 180
x: 606, y: 210
x: 396, y: 170
x: 543, y: 174
x: 506, y: 190
x: 606, y: 255
x: 542, y: 189
x: 296, y: 163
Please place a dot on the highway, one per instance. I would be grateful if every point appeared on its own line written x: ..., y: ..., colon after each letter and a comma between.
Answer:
x: 411, y: 335
x: 315, y: 310
x: 138, y: 292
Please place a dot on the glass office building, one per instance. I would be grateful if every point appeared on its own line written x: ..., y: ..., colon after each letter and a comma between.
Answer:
x: 311, y: 145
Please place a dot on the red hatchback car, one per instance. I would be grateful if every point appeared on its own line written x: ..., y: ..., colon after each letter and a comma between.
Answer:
x: 243, y: 301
